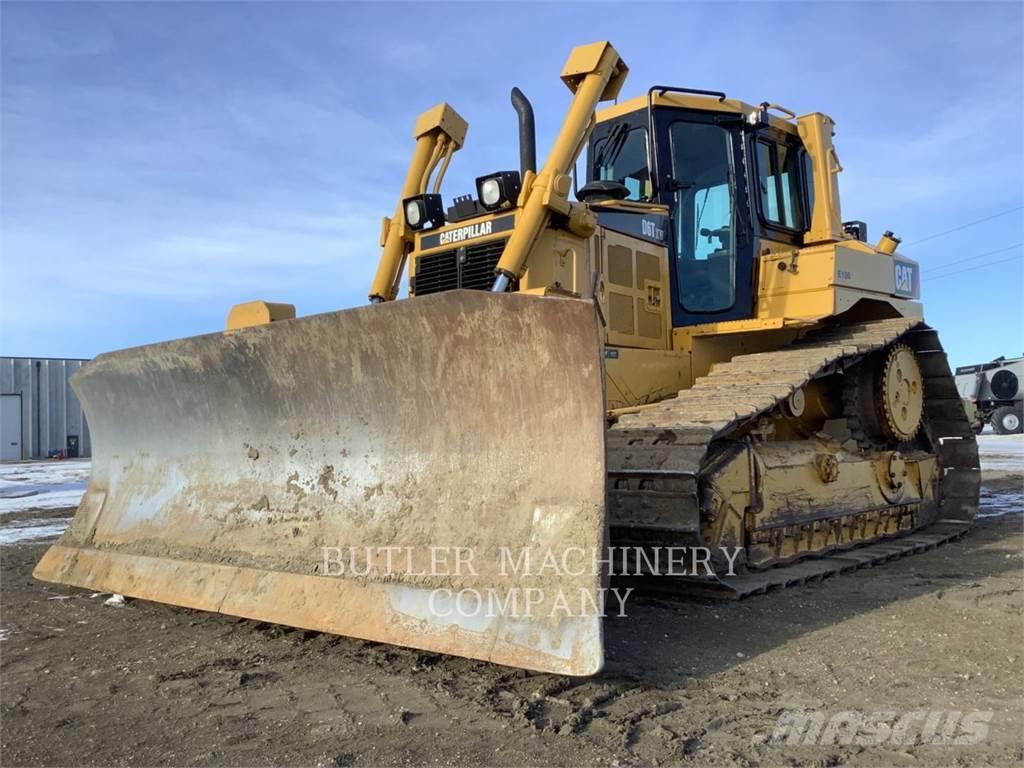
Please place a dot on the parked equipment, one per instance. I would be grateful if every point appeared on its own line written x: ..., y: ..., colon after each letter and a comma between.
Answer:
x: 696, y: 351
x: 995, y: 394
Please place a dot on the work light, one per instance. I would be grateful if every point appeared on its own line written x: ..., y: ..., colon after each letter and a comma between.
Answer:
x: 422, y: 210
x: 498, y: 190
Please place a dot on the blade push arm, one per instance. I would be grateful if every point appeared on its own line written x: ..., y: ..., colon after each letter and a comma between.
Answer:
x: 439, y: 133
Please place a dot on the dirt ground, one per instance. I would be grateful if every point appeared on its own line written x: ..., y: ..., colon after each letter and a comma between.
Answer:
x: 686, y: 681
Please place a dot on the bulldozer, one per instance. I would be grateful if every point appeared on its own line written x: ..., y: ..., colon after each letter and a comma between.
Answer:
x: 684, y: 346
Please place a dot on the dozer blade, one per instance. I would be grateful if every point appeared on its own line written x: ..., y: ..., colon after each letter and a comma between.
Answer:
x: 436, y: 450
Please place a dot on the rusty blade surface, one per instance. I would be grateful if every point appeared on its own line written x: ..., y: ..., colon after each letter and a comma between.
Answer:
x: 240, y: 472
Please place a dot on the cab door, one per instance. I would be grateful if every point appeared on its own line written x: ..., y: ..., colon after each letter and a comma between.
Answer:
x: 701, y: 179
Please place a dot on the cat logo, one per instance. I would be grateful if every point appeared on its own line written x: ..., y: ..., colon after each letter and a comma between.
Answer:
x: 905, y: 274
x: 459, y: 235
x: 466, y: 233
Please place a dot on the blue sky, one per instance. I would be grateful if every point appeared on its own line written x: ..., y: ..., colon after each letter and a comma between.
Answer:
x: 160, y: 162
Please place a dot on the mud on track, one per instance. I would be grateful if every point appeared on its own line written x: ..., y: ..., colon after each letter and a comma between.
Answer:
x: 691, y: 682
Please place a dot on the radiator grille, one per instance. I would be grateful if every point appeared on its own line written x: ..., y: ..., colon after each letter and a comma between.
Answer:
x: 470, y: 267
x: 436, y: 272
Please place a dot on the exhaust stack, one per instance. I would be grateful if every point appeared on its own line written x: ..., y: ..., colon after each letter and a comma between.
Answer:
x: 527, y: 133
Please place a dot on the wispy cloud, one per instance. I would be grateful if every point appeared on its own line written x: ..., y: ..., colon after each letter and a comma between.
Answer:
x: 941, y: 158
x: 160, y: 161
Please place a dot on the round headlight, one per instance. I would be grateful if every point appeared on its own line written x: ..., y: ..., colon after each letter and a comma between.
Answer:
x: 490, y: 192
x: 413, y: 215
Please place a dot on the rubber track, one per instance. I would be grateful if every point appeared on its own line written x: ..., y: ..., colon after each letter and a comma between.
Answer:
x: 655, y: 455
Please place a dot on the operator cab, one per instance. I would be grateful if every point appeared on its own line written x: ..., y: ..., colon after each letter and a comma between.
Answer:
x: 680, y: 153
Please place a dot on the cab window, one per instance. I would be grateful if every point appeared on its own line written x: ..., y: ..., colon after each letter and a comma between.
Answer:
x: 780, y: 173
x: 622, y: 156
x: 703, y: 215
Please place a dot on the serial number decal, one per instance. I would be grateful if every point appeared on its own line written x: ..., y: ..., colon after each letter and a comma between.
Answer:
x: 649, y: 227
x: 844, y: 274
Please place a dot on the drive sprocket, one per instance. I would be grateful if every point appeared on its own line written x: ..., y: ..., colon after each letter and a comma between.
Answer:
x: 884, y: 398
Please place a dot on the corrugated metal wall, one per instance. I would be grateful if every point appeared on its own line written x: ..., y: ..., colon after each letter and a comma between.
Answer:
x: 49, y: 409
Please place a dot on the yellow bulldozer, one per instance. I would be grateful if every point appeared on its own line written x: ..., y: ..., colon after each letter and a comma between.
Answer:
x: 694, y: 352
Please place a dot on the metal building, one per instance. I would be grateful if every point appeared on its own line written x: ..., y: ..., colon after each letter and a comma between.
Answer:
x: 39, y: 413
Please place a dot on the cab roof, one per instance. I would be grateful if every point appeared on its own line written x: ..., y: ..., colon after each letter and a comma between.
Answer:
x: 691, y: 101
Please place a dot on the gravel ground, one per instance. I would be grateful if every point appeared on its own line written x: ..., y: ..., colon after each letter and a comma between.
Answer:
x: 694, y: 682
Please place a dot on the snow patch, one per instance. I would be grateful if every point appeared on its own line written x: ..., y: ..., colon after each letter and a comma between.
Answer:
x: 33, y: 530
x: 1001, y: 452
x: 42, y: 485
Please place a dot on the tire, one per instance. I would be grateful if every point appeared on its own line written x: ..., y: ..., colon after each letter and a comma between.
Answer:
x: 1007, y: 420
